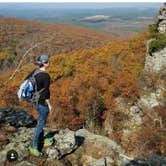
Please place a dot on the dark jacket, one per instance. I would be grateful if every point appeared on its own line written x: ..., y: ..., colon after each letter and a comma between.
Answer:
x: 43, y: 81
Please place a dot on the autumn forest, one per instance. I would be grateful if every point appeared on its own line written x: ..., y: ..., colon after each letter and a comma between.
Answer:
x: 95, y: 79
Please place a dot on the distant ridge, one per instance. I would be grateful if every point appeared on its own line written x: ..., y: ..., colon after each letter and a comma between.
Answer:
x: 18, y: 35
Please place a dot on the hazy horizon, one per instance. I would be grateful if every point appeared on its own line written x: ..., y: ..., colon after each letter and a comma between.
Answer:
x: 80, y: 5
x: 106, y: 17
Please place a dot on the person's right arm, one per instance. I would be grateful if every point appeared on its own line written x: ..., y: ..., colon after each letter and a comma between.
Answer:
x: 46, y: 92
x: 49, y: 105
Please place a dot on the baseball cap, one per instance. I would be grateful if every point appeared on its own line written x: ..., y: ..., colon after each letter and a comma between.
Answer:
x: 44, y: 58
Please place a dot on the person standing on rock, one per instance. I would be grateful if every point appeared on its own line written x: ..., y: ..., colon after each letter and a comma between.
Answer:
x: 43, y: 107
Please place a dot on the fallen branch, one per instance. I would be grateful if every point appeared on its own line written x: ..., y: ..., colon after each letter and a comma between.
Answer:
x: 126, y: 157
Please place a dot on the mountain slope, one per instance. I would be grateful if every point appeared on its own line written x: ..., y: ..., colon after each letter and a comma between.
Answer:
x: 17, y: 36
x: 99, y: 89
x: 111, y: 71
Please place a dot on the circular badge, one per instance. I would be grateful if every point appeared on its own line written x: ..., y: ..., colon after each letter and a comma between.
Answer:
x: 12, y: 155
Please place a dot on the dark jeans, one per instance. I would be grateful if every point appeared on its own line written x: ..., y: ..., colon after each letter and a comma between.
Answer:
x: 42, y: 118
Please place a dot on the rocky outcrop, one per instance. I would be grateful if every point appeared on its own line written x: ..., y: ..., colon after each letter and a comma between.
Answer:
x: 162, y: 19
x: 16, y: 118
x: 79, y: 147
x: 65, y: 143
x: 155, y: 68
x: 156, y: 62
x: 95, y: 150
x: 102, y: 141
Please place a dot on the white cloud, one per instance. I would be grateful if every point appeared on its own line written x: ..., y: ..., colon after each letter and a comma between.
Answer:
x: 97, y: 17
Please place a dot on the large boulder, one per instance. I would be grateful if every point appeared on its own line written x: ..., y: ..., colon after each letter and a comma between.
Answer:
x: 17, y: 118
x: 156, y: 160
x: 65, y: 143
x: 94, y: 148
x: 100, y: 141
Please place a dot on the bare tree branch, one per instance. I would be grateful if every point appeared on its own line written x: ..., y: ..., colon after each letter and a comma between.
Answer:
x: 21, y: 61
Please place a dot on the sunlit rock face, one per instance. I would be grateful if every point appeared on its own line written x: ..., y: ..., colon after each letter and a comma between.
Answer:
x: 162, y: 19
x: 156, y: 61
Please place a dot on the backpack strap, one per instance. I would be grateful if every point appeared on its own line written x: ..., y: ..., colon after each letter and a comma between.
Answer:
x: 37, y: 71
x: 36, y: 95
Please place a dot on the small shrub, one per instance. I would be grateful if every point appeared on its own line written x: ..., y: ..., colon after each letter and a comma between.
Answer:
x: 153, y: 30
x: 158, y: 44
x: 95, y: 110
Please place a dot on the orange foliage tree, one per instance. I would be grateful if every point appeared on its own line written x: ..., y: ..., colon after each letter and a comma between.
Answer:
x: 86, y: 82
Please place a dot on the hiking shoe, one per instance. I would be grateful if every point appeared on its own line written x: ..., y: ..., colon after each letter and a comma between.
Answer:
x: 48, y: 142
x: 34, y: 151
